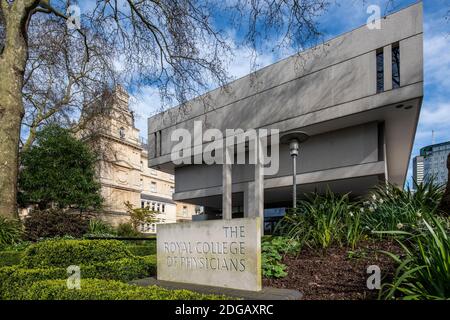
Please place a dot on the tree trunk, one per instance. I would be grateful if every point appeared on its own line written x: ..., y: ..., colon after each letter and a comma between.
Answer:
x: 445, y: 203
x: 11, y: 113
x: 12, y: 67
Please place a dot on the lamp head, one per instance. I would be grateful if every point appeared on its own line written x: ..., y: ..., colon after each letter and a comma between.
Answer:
x: 294, y: 138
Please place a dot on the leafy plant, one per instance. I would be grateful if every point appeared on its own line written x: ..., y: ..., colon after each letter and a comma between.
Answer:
x: 323, y: 220
x: 424, y: 271
x: 10, y: 231
x: 100, y: 228
x: 272, y: 251
x: 54, y: 223
x: 389, y: 207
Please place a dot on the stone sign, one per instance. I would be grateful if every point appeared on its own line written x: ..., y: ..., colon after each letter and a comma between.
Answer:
x: 219, y: 253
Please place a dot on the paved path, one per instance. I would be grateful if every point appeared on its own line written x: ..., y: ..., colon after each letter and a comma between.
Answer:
x: 267, y: 293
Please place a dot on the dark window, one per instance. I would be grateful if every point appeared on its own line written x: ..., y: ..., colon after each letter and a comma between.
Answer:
x: 380, y: 71
x: 395, y: 66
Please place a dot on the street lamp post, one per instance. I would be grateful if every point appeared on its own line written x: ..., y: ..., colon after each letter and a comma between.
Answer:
x: 294, y: 138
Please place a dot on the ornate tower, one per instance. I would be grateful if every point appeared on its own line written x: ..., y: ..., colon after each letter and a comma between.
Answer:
x: 114, y: 138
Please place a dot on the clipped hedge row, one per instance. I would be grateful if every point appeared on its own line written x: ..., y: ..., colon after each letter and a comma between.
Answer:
x: 13, y: 279
x: 94, y: 289
x: 10, y: 258
x: 145, y: 249
x: 62, y: 253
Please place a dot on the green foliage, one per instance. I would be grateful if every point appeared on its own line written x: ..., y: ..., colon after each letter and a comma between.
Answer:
x: 99, y: 259
x: 54, y: 223
x: 391, y: 208
x: 99, y: 228
x: 424, y: 270
x: 272, y: 251
x: 59, y: 169
x: 323, y: 220
x: 127, y: 230
x: 10, y: 258
x: 62, y: 253
x: 14, y: 279
x: 10, y: 231
x: 92, y: 289
x: 146, y: 249
x: 123, y: 269
x: 139, y: 216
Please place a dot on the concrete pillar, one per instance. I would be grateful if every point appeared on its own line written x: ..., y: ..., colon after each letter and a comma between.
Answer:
x: 249, y: 200
x: 259, y: 186
x: 226, y: 186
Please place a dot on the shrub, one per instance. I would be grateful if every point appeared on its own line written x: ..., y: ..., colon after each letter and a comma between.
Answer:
x: 54, y: 223
x: 93, y: 289
x: 323, y: 220
x: 10, y: 258
x: 145, y: 249
x: 62, y: 253
x: 424, y: 271
x: 127, y: 230
x: 10, y: 231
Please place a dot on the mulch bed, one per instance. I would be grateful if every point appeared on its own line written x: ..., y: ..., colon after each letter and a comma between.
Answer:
x: 338, y: 273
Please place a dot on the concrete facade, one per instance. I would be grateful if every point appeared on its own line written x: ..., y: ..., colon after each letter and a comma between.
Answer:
x: 359, y: 136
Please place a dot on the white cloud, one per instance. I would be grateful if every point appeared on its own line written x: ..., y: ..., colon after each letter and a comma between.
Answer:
x: 437, y: 60
x: 435, y: 116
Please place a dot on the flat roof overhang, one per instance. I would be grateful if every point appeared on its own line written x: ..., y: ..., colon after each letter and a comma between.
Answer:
x: 398, y: 109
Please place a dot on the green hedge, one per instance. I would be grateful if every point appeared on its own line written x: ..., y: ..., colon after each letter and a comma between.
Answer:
x: 14, y: 279
x: 10, y: 258
x: 124, y: 269
x: 94, y: 289
x: 145, y: 249
x: 62, y: 253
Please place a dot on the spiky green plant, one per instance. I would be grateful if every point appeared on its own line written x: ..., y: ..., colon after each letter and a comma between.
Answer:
x: 323, y: 220
x: 389, y: 207
x: 424, y: 270
x: 99, y: 228
x: 10, y: 231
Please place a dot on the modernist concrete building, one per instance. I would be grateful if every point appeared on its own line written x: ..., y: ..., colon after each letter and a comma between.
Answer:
x: 358, y: 96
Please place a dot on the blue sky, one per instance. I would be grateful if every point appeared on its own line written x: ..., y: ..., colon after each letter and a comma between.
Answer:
x: 435, y: 114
